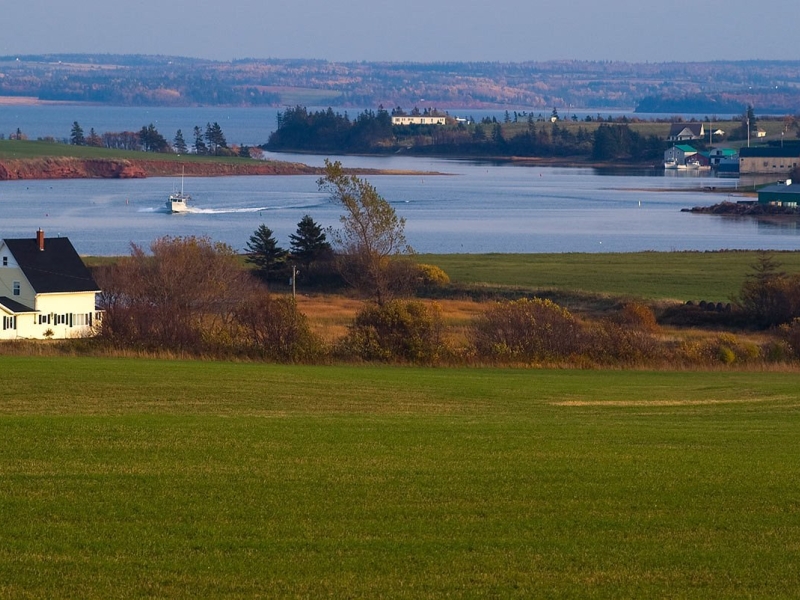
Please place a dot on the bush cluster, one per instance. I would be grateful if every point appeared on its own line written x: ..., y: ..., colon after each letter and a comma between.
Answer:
x: 396, y: 331
x: 190, y: 296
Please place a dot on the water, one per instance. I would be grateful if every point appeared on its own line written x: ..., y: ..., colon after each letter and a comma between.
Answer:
x: 474, y: 208
x: 248, y: 126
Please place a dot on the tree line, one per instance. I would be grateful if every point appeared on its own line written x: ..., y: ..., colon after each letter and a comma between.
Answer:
x: 140, y: 80
x: 327, y: 131
x: 208, y: 141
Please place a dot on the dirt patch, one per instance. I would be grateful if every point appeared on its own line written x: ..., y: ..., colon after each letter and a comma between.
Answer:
x: 653, y: 403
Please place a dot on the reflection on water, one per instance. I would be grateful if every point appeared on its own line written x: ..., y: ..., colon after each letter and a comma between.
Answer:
x: 787, y: 225
x: 474, y: 208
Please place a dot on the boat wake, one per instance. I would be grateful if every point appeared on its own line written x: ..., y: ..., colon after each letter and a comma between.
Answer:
x: 232, y: 210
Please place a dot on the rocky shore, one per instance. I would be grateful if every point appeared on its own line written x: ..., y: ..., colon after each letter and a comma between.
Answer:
x: 745, y: 209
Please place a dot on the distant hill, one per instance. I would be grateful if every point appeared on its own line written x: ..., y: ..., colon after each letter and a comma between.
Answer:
x: 142, y: 80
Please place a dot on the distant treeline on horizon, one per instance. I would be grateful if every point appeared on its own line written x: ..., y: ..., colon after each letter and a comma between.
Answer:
x: 716, y: 87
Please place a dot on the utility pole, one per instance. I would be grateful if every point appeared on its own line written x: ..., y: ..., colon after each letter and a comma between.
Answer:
x: 748, y: 132
x: 294, y: 280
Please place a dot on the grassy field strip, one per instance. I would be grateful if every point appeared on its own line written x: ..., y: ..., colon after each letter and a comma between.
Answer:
x: 195, y: 479
x: 710, y: 276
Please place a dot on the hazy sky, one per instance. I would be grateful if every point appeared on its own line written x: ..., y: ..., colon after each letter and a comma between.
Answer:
x: 434, y: 30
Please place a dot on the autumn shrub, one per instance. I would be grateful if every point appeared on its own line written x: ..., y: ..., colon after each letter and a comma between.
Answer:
x: 612, y: 342
x: 790, y: 335
x: 768, y: 296
x: 638, y: 316
x: 397, y: 330
x: 724, y: 348
x: 178, y: 296
x: 273, y: 328
x: 527, y: 331
x: 431, y: 276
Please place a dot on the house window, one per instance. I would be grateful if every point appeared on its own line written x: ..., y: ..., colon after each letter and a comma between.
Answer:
x: 5, y: 261
x: 9, y: 322
x: 16, y: 288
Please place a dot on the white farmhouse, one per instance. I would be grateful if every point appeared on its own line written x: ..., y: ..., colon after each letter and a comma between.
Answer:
x: 45, y: 290
x: 418, y: 120
x: 681, y: 132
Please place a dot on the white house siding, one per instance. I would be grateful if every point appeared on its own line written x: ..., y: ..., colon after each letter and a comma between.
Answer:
x: 10, y: 274
x: 418, y: 120
x: 67, y: 315
x: 23, y: 326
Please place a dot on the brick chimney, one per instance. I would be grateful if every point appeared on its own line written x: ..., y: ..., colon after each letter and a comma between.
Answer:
x: 40, y: 239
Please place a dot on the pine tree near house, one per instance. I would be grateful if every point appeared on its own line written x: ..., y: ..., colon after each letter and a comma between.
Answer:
x: 309, y: 243
x: 265, y: 254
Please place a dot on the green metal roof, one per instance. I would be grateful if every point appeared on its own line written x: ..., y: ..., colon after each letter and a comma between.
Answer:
x: 779, y: 192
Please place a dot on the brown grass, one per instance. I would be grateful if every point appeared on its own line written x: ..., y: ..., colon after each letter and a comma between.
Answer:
x: 330, y: 315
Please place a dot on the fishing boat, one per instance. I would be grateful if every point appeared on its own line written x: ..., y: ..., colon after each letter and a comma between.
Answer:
x: 178, y: 202
x: 672, y: 163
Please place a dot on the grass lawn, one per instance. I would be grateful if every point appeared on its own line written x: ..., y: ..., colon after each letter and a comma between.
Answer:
x: 196, y: 479
x: 711, y: 276
x: 21, y: 149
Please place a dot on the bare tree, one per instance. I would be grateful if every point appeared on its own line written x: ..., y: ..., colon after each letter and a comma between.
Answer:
x: 179, y: 296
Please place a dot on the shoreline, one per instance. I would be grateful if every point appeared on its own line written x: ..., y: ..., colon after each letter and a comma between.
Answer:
x: 61, y: 167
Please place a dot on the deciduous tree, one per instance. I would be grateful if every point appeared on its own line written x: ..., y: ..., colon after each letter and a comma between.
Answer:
x: 94, y: 140
x: 174, y: 297
x: 371, y: 233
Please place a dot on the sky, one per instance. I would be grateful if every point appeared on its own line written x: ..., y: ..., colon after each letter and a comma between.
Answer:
x: 414, y: 30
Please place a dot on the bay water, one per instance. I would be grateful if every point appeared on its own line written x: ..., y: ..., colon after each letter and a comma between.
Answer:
x: 471, y: 207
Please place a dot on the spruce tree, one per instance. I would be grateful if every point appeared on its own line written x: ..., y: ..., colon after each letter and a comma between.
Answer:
x: 180, y: 143
x: 265, y: 254
x: 76, y: 137
x: 309, y: 243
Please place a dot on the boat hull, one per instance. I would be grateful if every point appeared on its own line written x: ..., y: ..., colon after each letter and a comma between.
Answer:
x: 178, y: 203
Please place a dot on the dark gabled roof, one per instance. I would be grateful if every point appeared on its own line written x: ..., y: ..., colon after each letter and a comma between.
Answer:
x: 14, y: 306
x: 57, y: 268
x: 676, y: 128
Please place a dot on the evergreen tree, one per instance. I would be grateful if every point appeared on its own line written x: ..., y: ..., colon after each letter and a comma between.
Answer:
x: 199, y: 145
x: 180, y: 143
x: 76, y: 137
x: 215, y: 138
x: 309, y: 243
x: 750, y: 118
x: 152, y: 140
x: 265, y: 254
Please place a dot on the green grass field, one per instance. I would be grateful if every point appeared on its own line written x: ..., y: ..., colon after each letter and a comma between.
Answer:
x: 16, y: 149
x: 711, y: 276
x: 128, y: 478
